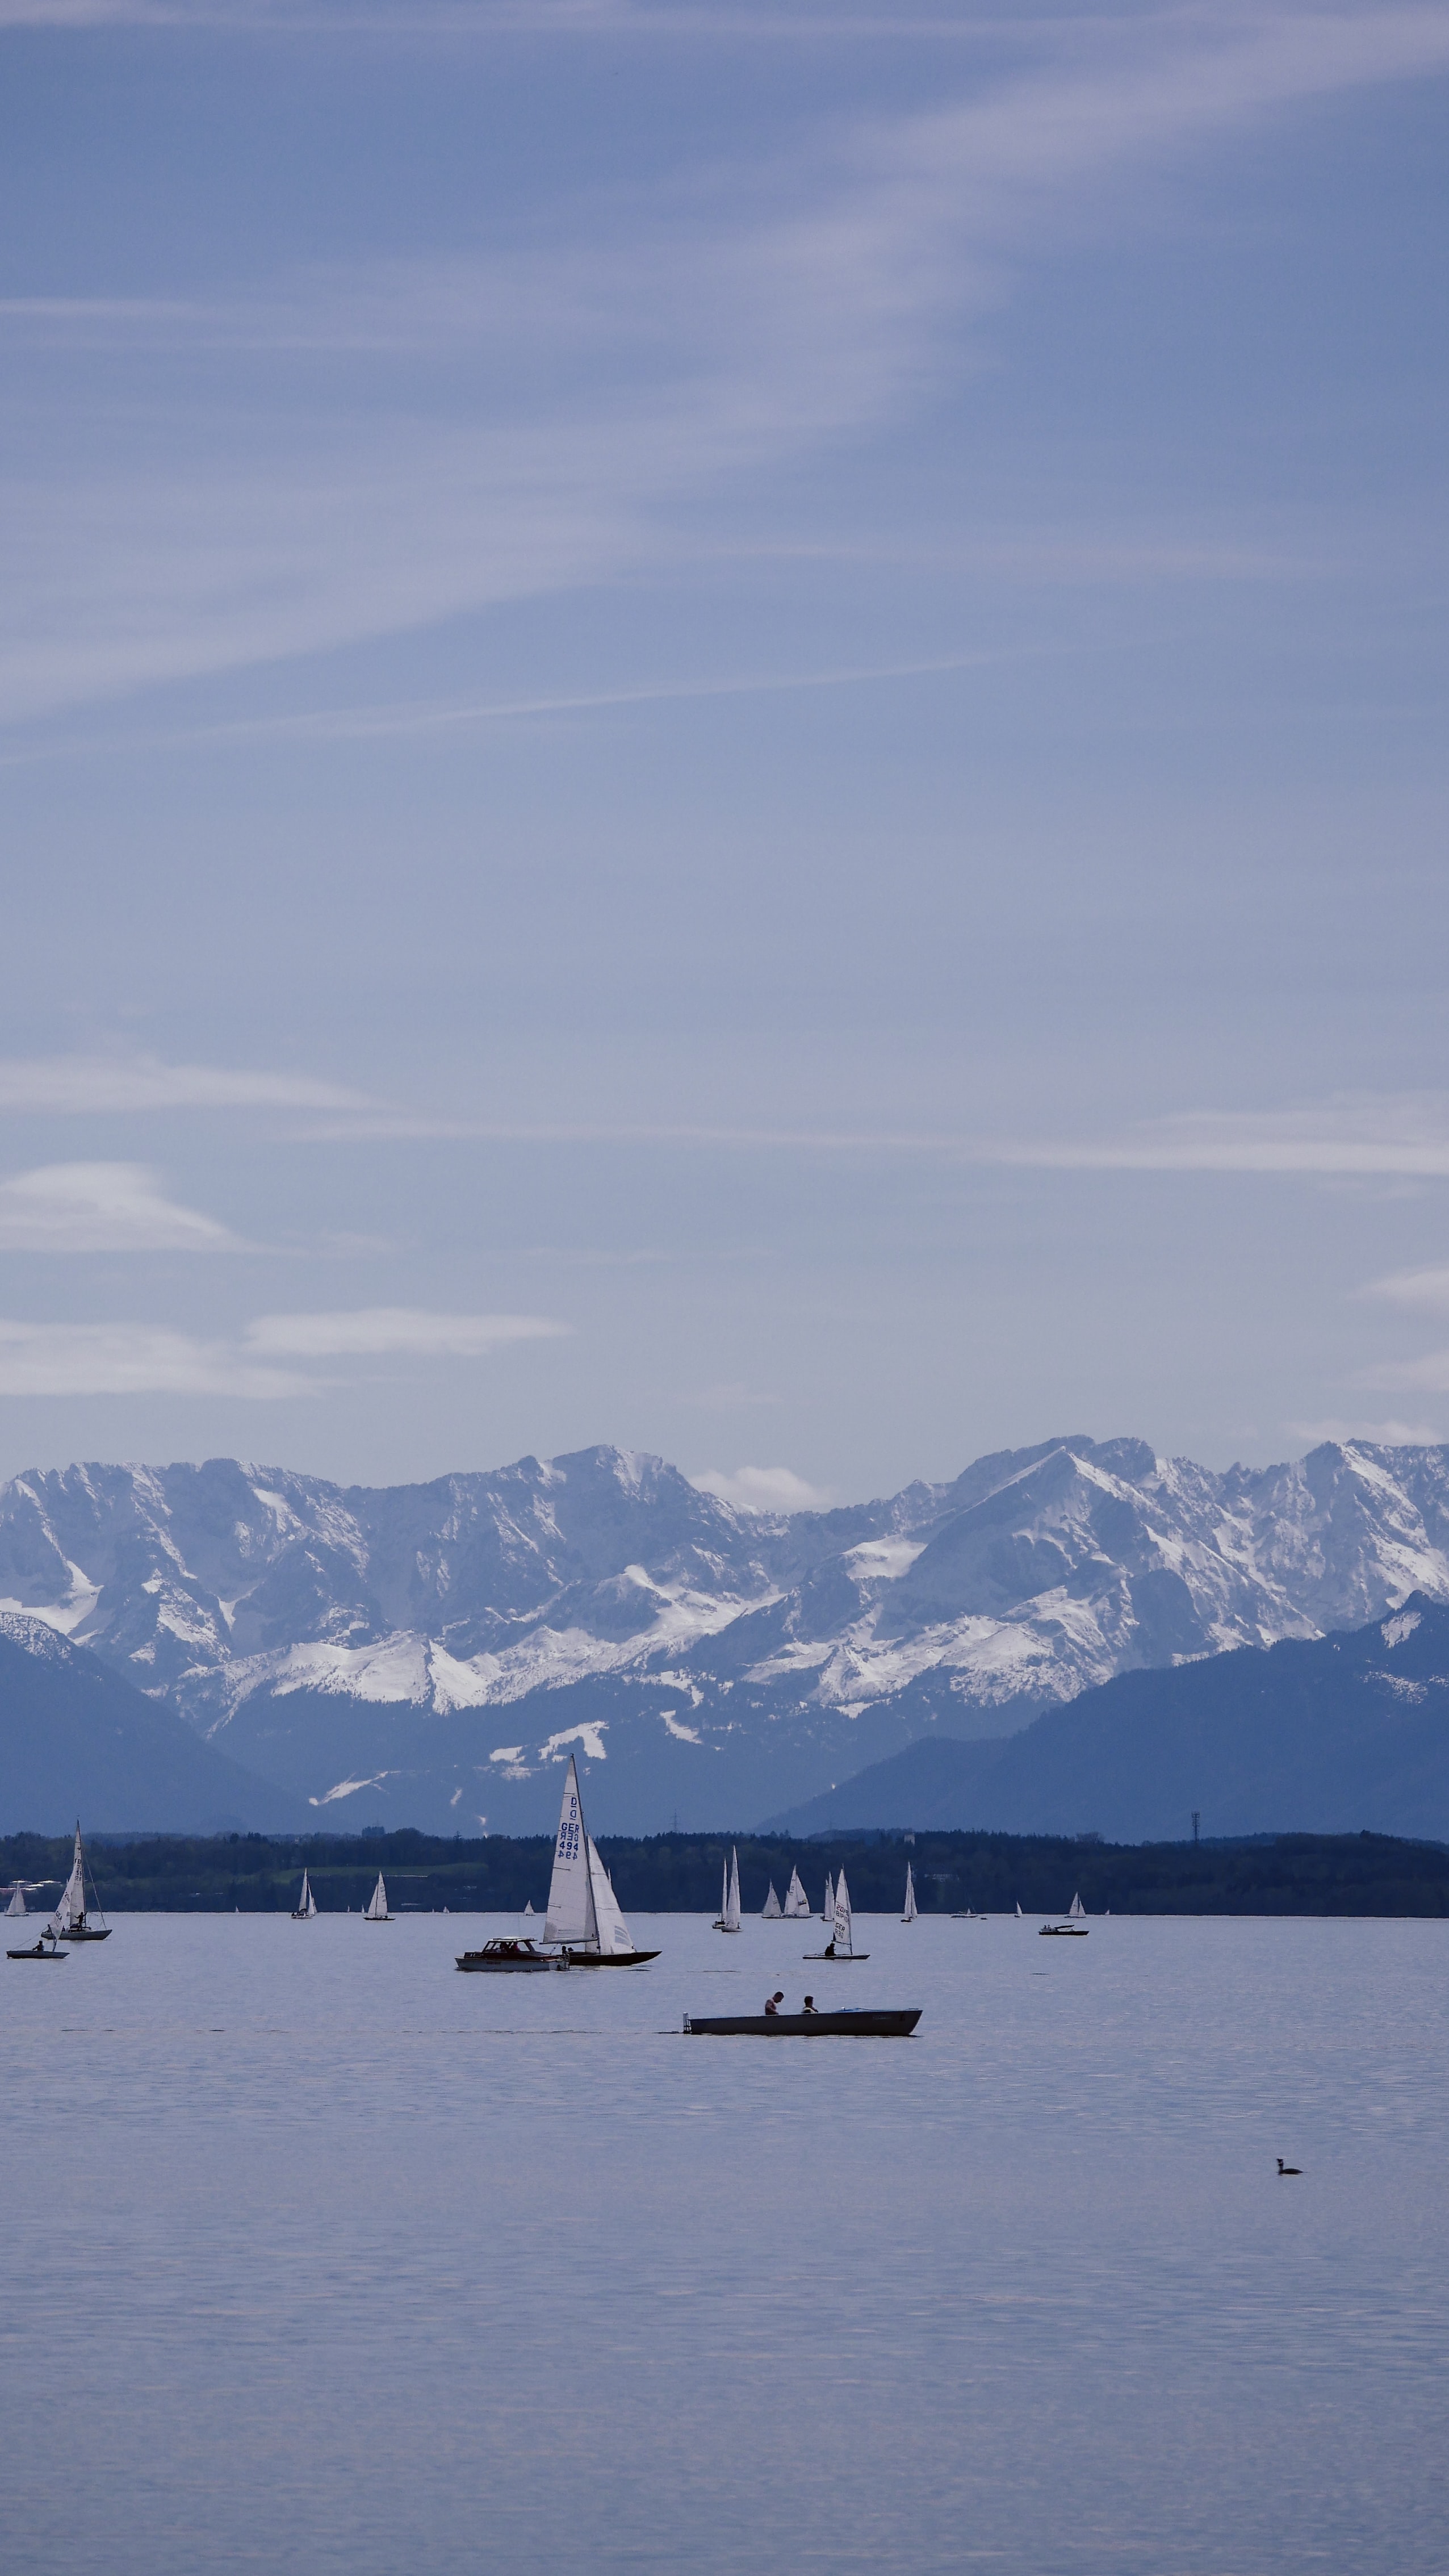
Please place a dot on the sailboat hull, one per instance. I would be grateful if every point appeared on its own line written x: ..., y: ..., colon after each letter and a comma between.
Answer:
x: 87, y: 1936
x: 819, y: 2025
x: 836, y: 1958
x: 37, y: 1953
x: 610, y: 1958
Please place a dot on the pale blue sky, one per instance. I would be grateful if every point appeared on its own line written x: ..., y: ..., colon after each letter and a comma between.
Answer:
x: 758, y: 689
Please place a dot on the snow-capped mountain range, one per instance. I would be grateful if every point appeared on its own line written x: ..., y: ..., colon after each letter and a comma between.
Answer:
x: 430, y: 1653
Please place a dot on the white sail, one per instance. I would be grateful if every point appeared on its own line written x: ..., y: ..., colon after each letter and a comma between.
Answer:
x: 1076, y: 1911
x: 732, y: 1895
x: 17, y: 1901
x: 377, y: 1903
x: 720, y: 1922
x: 528, y: 1909
x: 840, y: 1936
x: 614, y: 1935
x: 306, y: 1905
x: 571, y: 1915
x: 72, y: 1907
x: 797, y: 1903
x: 1018, y: 1914
x: 909, y: 1914
x: 772, y: 1905
x: 827, y: 1910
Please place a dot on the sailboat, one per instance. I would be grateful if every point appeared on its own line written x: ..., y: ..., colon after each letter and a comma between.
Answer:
x: 72, y: 1919
x: 797, y: 1903
x: 17, y: 1900
x: 911, y: 1909
x: 1075, y: 1926
x: 827, y: 1910
x: 728, y: 1918
x: 306, y: 1905
x: 840, y: 1944
x: 770, y: 1911
x: 377, y: 1904
x: 583, y: 1911
x: 528, y: 1909
x: 1019, y: 1915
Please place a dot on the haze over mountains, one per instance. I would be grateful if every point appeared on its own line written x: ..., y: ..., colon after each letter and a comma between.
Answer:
x: 430, y: 1654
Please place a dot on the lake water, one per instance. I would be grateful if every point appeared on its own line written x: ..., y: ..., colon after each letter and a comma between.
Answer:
x: 317, y: 2253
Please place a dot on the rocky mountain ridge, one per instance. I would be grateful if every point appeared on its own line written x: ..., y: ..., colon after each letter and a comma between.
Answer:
x: 432, y: 1651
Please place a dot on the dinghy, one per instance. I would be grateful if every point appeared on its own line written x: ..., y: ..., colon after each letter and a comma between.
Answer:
x: 306, y: 1905
x: 728, y: 1917
x: 528, y: 1909
x: 797, y: 1903
x: 377, y: 1904
x: 40, y: 1951
x: 908, y: 1914
x: 811, y: 2025
x: 583, y: 1912
x: 73, y: 1919
x: 770, y: 1912
x: 17, y: 1900
x: 840, y: 1945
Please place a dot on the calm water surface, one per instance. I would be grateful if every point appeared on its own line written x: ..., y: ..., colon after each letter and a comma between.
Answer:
x: 316, y: 2251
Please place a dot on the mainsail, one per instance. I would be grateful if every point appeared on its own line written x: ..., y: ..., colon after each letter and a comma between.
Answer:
x: 731, y: 1919
x: 306, y: 1905
x: 17, y: 1901
x: 772, y: 1905
x: 797, y: 1903
x: 70, y: 1914
x: 571, y: 1912
x: 909, y: 1914
x: 377, y: 1904
x: 840, y: 1937
x: 1076, y: 1911
x: 827, y: 1910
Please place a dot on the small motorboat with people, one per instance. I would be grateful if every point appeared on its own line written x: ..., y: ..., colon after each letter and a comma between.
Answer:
x: 728, y: 1917
x: 47, y: 1947
x: 583, y: 1915
x: 375, y: 1910
x: 505, y: 1958
x: 306, y: 1905
x: 869, y: 2023
x: 78, y: 1917
x: 840, y: 1946
x: 1073, y: 1929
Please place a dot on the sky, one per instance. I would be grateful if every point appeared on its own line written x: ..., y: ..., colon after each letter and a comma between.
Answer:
x: 721, y: 728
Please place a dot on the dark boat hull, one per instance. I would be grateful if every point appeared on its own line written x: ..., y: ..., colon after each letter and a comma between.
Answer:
x: 836, y: 1958
x: 818, y: 2025
x: 1063, y: 1932
x: 610, y: 1958
x: 87, y: 1936
x: 475, y: 1963
x: 35, y: 1954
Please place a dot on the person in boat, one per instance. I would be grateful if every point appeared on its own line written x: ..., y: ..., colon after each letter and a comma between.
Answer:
x: 808, y: 2005
x: 774, y: 2001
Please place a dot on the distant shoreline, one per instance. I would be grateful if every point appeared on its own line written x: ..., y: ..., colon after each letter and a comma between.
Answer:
x: 1323, y: 1875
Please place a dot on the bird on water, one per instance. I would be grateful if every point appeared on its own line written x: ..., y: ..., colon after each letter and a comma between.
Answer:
x: 1289, y: 2169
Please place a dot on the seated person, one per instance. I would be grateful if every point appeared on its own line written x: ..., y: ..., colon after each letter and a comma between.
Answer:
x: 774, y: 2001
x: 809, y: 2004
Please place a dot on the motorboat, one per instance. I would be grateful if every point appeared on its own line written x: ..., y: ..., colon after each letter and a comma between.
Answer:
x: 868, y: 2024
x: 505, y: 1958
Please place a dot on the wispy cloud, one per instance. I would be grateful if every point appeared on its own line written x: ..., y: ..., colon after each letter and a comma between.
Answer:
x: 746, y: 322
x: 1426, y: 1376
x: 1379, y: 1435
x: 1413, y: 1288
x: 764, y: 1489
x: 102, y: 1207
x: 145, y: 1359
x: 1403, y: 1135
x: 381, y: 1331
x: 130, y: 1359
x: 101, y: 1084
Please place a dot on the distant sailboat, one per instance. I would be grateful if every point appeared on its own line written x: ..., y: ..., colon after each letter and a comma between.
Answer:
x: 827, y: 1910
x: 1075, y: 1926
x: 306, y: 1905
x: 528, y: 1909
x: 17, y: 1900
x: 377, y: 1904
x: 583, y: 1911
x: 771, y: 1912
x: 1019, y: 1915
x: 73, y: 1918
x: 797, y: 1903
x: 1076, y: 1911
x: 728, y: 1918
x: 841, y: 1943
x: 910, y: 1910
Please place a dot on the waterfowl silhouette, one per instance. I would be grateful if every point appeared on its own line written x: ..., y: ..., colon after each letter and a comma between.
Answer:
x: 1290, y: 2169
